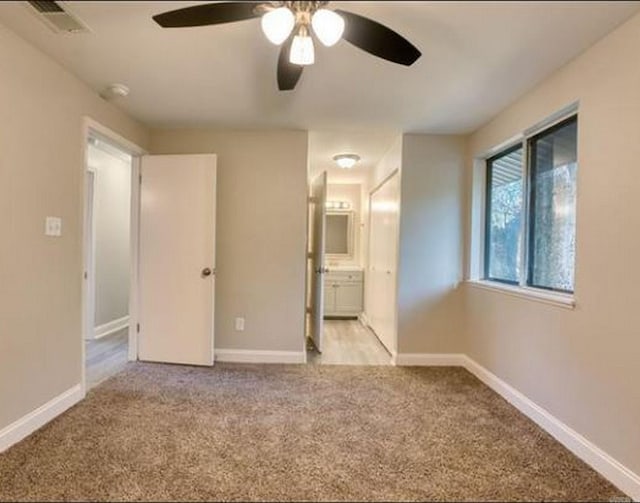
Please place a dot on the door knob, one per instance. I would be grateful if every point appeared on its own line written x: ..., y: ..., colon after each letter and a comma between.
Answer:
x: 322, y: 270
x: 206, y: 272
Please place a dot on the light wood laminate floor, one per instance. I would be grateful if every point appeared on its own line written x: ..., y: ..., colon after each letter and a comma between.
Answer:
x: 106, y: 356
x: 348, y: 342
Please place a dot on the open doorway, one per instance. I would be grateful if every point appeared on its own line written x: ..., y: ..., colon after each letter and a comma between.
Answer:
x: 337, y: 258
x: 109, y: 249
x: 352, y: 253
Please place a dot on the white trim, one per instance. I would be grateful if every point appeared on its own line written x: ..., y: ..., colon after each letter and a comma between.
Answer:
x: 26, y: 425
x: 91, y: 127
x: 611, y: 469
x: 475, y: 263
x: 110, y: 135
x: 553, y: 119
x: 111, y: 327
x: 566, y: 301
x: 618, y: 474
x: 89, y: 252
x: 134, y: 247
x: 250, y: 356
x: 545, y: 123
x: 213, y: 258
x: 430, y: 359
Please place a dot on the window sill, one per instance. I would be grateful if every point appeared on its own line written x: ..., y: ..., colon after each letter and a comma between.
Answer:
x: 566, y: 301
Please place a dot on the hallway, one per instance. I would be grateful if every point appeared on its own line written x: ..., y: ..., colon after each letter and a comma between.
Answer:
x: 348, y: 342
x: 106, y: 357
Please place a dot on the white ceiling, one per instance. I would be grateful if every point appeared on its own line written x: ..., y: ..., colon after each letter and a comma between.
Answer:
x: 369, y: 145
x: 477, y: 58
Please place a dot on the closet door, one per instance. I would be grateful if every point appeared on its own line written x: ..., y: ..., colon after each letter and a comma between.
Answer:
x: 383, y: 259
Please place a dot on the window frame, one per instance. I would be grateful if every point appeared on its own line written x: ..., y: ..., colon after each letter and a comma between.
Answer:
x: 487, y: 210
x: 530, y: 220
x: 523, y: 141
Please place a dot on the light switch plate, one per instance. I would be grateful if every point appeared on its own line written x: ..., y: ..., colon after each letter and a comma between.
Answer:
x: 239, y: 324
x: 53, y: 226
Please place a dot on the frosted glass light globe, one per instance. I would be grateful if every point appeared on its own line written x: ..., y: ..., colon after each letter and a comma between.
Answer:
x: 328, y: 26
x: 278, y: 24
x: 302, y: 51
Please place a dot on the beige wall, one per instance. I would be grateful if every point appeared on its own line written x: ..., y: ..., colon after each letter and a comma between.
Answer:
x: 41, y: 173
x: 391, y: 161
x: 112, y: 217
x: 430, y: 251
x: 581, y: 365
x: 261, y: 232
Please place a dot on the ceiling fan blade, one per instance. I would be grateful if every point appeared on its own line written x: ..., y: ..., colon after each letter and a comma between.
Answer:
x: 377, y: 39
x: 288, y: 73
x: 208, y: 14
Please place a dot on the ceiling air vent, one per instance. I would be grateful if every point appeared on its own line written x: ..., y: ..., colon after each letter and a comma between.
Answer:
x: 54, y: 15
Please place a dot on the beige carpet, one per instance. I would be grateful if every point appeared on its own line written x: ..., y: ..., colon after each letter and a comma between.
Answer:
x: 277, y: 432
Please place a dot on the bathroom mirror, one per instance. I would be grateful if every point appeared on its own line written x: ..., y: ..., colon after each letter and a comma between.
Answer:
x: 339, y: 233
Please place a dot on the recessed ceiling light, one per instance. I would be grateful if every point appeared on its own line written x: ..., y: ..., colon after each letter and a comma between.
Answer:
x: 346, y: 161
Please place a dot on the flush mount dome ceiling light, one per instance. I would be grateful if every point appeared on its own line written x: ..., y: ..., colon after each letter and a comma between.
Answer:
x: 292, y: 25
x: 113, y: 91
x: 346, y: 161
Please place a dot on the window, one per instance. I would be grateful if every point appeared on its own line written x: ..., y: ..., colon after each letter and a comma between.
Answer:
x: 552, y: 207
x: 546, y: 222
x: 504, y: 216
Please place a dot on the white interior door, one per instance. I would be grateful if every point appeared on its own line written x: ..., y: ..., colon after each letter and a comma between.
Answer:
x: 383, y: 259
x: 318, y: 208
x: 177, y: 258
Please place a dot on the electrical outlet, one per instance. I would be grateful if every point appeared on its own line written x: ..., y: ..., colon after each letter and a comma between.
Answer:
x: 53, y: 226
x: 239, y: 324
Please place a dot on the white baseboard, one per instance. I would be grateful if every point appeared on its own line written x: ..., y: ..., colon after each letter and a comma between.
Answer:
x: 429, y: 359
x: 618, y: 474
x: 26, y: 425
x: 250, y: 356
x: 611, y: 469
x: 111, y: 327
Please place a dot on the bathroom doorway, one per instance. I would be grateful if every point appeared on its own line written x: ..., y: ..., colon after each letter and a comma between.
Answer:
x: 345, y: 339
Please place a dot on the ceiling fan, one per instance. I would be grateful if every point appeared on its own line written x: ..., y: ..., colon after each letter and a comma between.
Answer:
x: 291, y: 25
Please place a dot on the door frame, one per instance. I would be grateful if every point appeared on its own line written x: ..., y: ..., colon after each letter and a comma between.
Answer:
x: 91, y: 127
x: 89, y: 255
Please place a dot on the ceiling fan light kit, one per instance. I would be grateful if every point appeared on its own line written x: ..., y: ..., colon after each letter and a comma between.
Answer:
x: 290, y: 24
